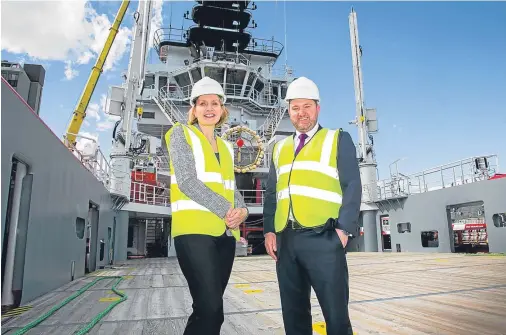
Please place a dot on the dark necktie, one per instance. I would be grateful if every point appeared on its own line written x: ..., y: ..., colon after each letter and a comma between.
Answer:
x: 302, y: 138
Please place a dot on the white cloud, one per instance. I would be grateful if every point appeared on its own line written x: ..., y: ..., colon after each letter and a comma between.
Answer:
x: 108, y: 123
x: 64, y: 31
x: 156, y: 19
x: 69, y: 71
x: 104, y: 125
x: 103, y: 99
x: 93, y: 111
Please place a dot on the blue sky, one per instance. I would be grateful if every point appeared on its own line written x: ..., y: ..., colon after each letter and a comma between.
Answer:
x: 435, y: 72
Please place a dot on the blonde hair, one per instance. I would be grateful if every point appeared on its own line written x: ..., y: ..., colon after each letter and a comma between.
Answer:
x: 192, y: 119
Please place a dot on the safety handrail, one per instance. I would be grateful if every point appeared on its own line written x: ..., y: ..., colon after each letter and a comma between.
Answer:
x: 95, y: 160
x: 447, y: 175
x: 268, y: 128
x: 262, y: 99
x: 148, y: 194
x: 168, y: 106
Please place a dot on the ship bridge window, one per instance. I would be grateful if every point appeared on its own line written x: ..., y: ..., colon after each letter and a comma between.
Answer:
x: 404, y: 227
x: 235, y: 78
x: 430, y: 239
x: 274, y: 95
x: 259, y: 85
x: 162, y: 82
x: 183, y: 79
x: 499, y: 220
x: 196, y: 74
x: 215, y: 73
x: 283, y: 92
x: 251, y: 78
x: 149, y: 81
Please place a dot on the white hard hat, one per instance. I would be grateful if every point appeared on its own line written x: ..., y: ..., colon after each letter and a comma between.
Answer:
x: 207, y: 85
x: 302, y: 88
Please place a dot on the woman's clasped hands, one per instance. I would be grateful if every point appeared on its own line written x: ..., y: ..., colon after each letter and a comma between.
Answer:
x: 235, y: 216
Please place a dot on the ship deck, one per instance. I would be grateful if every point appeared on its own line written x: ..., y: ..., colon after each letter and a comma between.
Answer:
x: 390, y: 293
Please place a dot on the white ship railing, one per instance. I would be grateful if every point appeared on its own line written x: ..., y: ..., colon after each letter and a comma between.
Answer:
x: 179, y: 35
x: 168, y: 107
x: 148, y: 194
x: 96, y: 162
x: 162, y: 164
x: 271, y: 124
x: 253, y: 198
x: 448, y: 175
x: 215, y: 56
x: 160, y: 161
x: 93, y: 159
x: 143, y: 193
x: 262, y: 99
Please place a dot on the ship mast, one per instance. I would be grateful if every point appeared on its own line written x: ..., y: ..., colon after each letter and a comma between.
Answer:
x: 366, y: 123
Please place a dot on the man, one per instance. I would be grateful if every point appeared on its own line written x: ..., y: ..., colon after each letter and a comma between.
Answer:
x: 312, y: 205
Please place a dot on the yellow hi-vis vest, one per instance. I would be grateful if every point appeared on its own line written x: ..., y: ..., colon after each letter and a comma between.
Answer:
x: 309, y: 182
x: 189, y: 217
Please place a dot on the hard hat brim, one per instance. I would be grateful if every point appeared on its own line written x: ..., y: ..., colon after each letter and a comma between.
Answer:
x: 222, y: 98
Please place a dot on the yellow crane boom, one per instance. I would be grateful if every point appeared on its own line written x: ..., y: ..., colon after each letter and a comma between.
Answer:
x: 80, y: 111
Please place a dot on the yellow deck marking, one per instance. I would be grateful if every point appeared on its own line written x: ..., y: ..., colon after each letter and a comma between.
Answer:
x: 321, y: 329
x: 16, y: 311
x: 241, y: 285
x: 128, y: 277
x: 108, y: 299
x: 112, y: 292
x: 253, y: 291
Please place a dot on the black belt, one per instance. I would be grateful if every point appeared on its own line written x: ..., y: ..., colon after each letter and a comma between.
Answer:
x: 296, y: 226
x: 329, y: 225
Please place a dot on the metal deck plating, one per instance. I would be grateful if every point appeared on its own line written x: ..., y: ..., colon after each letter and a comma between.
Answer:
x: 399, y: 293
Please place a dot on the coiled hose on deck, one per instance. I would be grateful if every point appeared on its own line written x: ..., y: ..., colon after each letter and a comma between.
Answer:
x: 93, y: 322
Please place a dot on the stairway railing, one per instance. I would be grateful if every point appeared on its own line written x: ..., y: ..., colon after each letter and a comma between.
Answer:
x: 168, y: 107
x: 271, y: 124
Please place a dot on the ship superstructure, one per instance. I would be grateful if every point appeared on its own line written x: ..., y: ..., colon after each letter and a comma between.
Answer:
x: 219, y: 43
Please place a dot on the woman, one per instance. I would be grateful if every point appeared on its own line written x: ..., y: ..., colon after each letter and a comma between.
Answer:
x: 206, y: 208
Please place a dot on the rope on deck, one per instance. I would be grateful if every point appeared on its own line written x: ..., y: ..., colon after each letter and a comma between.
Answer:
x: 94, y: 321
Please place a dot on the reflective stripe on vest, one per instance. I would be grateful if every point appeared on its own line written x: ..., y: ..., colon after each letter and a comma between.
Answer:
x: 309, y: 182
x: 189, y: 217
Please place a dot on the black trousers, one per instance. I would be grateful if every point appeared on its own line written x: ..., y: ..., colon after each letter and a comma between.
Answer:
x: 305, y: 259
x: 206, y: 263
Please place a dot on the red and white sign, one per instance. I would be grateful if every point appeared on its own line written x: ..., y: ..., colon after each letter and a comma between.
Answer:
x: 469, y: 226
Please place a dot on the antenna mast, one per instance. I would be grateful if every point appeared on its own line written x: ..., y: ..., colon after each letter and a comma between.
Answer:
x: 367, y: 123
x: 365, y: 118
